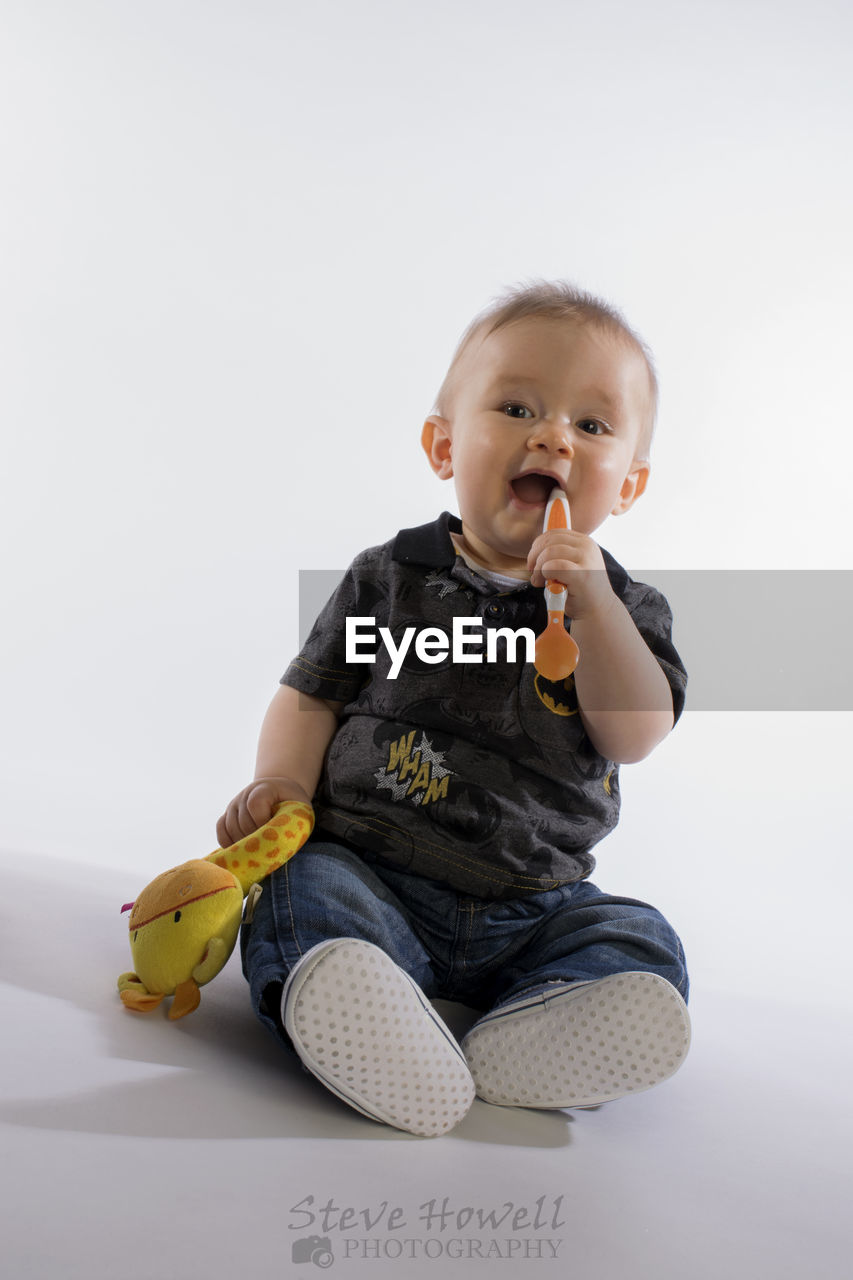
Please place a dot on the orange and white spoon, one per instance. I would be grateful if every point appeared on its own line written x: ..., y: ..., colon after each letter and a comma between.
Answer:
x: 556, y: 654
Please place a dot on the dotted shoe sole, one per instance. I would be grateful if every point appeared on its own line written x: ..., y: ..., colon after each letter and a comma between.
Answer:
x: 586, y: 1043
x: 365, y: 1029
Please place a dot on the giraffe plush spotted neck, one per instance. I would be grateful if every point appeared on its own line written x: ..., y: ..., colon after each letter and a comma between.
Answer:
x: 184, y: 924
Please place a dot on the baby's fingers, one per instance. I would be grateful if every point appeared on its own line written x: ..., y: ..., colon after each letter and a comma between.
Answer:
x: 256, y: 807
x: 560, y: 542
x: 251, y: 809
x: 550, y: 559
x: 227, y: 829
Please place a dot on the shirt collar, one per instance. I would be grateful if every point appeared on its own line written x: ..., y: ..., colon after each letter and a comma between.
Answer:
x: 431, y: 544
x: 428, y: 543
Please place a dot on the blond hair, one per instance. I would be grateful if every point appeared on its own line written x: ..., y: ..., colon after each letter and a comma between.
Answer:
x: 554, y: 300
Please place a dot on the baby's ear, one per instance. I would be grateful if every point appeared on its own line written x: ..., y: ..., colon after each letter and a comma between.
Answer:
x: 435, y: 439
x: 632, y: 486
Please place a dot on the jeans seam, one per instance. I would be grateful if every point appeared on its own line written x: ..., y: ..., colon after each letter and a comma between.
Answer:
x: 468, y: 939
x: 290, y: 910
x: 457, y: 962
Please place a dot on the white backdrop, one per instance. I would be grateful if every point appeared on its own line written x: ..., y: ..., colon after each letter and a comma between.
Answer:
x: 240, y: 241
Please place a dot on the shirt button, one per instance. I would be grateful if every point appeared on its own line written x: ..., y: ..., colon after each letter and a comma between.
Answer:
x: 494, y: 610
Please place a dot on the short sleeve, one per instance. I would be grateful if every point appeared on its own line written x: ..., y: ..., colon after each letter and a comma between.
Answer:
x: 321, y: 668
x: 653, y: 619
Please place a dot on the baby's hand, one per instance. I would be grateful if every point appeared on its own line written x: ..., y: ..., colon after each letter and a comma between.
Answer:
x: 575, y: 560
x: 254, y: 806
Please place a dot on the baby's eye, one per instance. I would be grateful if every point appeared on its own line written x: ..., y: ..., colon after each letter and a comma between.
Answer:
x: 513, y: 409
x: 591, y: 426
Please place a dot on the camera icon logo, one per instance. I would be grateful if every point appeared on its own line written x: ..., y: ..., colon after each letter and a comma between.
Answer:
x: 316, y: 1249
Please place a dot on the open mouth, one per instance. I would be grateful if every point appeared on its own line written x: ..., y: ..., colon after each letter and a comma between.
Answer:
x: 533, y: 489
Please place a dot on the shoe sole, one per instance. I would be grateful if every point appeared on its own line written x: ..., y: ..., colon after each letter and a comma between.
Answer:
x: 587, y: 1043
x: 364, y: 1028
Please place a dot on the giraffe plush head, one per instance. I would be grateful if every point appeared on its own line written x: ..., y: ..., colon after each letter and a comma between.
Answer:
x: 184, y: 924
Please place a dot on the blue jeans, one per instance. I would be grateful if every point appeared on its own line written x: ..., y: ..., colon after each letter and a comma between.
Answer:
x: 455, y: 947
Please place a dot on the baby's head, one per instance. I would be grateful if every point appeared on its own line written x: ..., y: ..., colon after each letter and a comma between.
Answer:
x: 548, y: 386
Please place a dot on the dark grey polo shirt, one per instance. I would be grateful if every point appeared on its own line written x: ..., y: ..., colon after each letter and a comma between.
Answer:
x: 476, y: 775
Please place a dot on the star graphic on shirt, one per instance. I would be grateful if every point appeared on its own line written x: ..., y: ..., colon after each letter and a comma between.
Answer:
x: 432, y: 757
x: 445, y: 586
x: 388, y: 782
x: 422, y: 754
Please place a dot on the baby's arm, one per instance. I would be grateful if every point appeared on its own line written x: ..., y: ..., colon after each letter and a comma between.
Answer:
x: 624, y: 698
x: 295, y: 736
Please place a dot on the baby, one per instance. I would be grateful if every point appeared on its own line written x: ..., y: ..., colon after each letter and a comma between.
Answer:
x: 458, y: 793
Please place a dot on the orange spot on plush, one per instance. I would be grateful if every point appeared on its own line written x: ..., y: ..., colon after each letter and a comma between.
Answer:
x: 220, y: 861
x: 273, y: 853
x: 269, y: 834
x: 252, y: 863
x: 236, y: 862
x: 253, y: 845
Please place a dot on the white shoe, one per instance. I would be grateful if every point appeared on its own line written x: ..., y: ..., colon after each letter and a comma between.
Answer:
x: 581, y: 1043
x: 365, y: 1029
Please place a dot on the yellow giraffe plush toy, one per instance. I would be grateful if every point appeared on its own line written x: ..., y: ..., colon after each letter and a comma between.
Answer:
x: 184, y: 924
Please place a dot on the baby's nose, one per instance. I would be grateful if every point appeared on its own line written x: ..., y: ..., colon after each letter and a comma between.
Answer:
x: 552, y: 437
